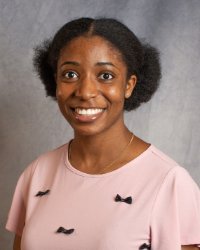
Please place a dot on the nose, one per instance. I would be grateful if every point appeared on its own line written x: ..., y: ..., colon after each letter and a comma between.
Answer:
x: 86, y: 89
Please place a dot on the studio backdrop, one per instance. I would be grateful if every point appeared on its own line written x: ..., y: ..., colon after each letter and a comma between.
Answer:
x: 30, y: 123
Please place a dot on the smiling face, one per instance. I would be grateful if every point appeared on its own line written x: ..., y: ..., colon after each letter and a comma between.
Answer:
x: 92, y: 85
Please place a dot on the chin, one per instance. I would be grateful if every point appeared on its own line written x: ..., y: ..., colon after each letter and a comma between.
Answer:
x: 87, y: 131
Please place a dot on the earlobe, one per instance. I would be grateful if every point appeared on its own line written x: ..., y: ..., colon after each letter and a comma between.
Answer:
x: 127, y: 95
x: 130, y: 86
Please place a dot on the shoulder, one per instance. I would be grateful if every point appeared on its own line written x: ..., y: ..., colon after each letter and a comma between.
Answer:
x: 176, y: 179
x: 46, y: 163
x: 160, y: 161
x: 42, y: 171
x: 166, y: 169
x: 155, y: 164
x: 157, y: 156
x: 175, y: 210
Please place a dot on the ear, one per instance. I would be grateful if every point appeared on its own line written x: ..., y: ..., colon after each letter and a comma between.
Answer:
x: 130, y: 85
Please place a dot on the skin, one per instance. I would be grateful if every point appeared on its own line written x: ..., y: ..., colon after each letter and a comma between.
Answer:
x: 91, y: 59
x: 88, y: 88
x: 92, y: 74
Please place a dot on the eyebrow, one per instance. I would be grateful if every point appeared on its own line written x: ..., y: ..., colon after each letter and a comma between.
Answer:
x: 105, y: 63
x: 97, y: 64
x: 70, y: 62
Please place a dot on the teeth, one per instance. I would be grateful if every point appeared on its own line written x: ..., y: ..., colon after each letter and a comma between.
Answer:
x: 88, y: 111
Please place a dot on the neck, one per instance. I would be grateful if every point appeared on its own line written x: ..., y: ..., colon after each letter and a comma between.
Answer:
x: 98, y: 150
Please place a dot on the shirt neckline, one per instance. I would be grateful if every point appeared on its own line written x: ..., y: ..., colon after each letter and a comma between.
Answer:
x: 113, y: 172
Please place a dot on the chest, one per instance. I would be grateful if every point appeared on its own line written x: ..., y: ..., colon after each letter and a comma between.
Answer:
x: 91, y: 216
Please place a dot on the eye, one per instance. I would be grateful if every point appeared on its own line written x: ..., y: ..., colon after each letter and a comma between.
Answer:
x: 106, y: 76
x: 70, y: 75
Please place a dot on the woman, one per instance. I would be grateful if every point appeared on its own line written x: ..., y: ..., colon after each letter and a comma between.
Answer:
x: 106, y: 188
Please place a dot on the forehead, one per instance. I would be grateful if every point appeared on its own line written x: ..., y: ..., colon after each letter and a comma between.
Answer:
x: 93, y: 48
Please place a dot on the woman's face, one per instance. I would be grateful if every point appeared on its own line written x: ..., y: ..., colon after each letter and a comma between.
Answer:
x: 92, y: 85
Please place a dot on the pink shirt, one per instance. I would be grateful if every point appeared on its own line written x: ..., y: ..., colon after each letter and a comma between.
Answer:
x: 164, y: 213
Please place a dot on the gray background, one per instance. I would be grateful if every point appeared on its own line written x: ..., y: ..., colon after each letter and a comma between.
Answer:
x: 31, y: 124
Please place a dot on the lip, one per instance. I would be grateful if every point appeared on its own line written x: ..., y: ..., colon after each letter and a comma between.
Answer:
x: 86, y: 107
x: 87, y: 117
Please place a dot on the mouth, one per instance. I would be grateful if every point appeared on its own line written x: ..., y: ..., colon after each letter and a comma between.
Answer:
x: 88, y: 111
x: 87, y: 114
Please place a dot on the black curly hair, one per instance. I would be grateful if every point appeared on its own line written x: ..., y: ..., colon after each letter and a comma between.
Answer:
x: 140, y: 59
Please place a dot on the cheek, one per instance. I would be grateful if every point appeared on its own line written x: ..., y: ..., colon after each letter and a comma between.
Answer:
x: 59, y: 94
x: 61, y: 97
x: 117, y: 94
x: 62, y: 91
x: 58, y: 91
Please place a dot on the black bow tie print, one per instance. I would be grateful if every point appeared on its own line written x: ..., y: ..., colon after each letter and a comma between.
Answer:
x: 65, y: 231
x: 40, y: 193
x: 145, y: 247
x: 127, y: 200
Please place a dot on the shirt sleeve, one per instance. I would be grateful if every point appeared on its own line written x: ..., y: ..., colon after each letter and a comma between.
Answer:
x: 16, y: 217
x: 175, y: 219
